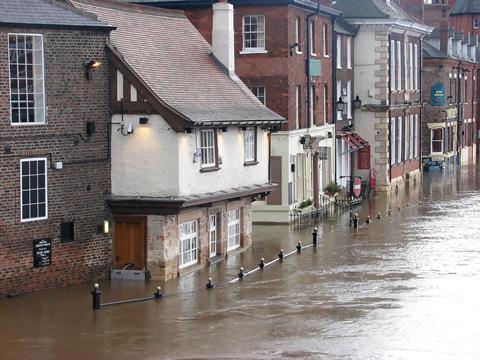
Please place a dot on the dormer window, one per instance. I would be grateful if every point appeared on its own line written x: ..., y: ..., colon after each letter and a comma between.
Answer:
x: 27, y: 89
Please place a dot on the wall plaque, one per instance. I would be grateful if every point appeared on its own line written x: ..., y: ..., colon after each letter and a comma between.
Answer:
x: 42, y: 252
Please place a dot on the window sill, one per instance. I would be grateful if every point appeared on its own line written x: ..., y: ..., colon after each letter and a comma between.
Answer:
x: 210, y: 169
x: 250, y: 163
x: 325, y: 55
x: 253, y: 51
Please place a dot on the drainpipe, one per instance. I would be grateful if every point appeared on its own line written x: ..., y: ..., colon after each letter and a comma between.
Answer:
x: 334, y: 88
x: 309, y: 48
x: 458, y: 98
x: 390, y: 104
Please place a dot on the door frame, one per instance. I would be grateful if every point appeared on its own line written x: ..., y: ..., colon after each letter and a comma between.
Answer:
x: 210, y: 254
x: 126, y: 218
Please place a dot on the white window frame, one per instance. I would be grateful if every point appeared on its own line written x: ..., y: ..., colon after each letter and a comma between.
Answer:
x: 250, y: 49
x: 298, y: 35
x: 441, y: 140
x: 261, y: 93
x: 417, y: 136
x: 406, y: 135
x: 399, y: 65
x: 349, y: 52
x: 399, y: 139
x: 411, y: 83
x: 188, y: 238
x: 39, y: 111
x: 234, y: 230
x: 312, y: 38
x: 325, y: 41
x: 339, y: 95
x: 415, y: 66
x: 339, y: 51
x: 476, y: 23
x: 249, y: 144
x: 405, y: 66
x: 212, y: 235
x: 298, y: 107
x: 29, y: 189
x: 349, y: 99
x: 393, y: 66
x: 206, y: 146
x: 393, y: 141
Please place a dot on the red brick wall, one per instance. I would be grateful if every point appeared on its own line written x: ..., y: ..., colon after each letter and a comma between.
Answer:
x: 277, y: 70
x: 75, y: 193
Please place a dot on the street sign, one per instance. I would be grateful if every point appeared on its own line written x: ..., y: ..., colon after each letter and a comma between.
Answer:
x: 357, y: 187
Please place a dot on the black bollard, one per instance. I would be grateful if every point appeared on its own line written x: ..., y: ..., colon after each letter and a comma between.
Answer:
x: 299, y: 247
x: 315, y: 236
x: 158, y: 294
x: 367, y: 221
x: 379, y: 215
x: 280, y: 256
x: 96, y: 297
x: 262, y: 263
x: 355, y: 221
x: 210, y: 284
x: 389, y: 212
x: 241, y: 274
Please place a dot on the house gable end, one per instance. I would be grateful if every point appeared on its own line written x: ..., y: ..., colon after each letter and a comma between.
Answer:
x: 147, y: 100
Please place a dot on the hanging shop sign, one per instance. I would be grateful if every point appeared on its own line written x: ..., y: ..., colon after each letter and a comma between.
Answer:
x: 437, y: 92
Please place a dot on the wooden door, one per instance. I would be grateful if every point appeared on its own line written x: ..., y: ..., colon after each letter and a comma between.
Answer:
x: 130, y: 243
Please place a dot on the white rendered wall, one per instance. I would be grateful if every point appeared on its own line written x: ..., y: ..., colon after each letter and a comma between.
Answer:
x: 232, y: 171
x: 144, y: 163
x: 157, y: 161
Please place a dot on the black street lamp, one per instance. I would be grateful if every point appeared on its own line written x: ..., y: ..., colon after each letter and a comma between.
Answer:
x: 341, y: 105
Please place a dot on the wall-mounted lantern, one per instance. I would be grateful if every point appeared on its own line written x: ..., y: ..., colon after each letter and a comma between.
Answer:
x: 91, y: 65
x: 357, y: 103
x: 340, y: 105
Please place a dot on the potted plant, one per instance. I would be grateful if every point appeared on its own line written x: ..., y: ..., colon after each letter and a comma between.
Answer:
x: 332, y: 189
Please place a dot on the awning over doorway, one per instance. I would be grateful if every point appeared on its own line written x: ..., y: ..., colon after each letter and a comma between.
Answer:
x: 355, y: 141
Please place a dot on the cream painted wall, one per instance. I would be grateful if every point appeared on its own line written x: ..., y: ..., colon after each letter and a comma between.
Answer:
x: 144, y: 163
x: 157, y: 161
x: 232, y: 171
x: 364, y: 64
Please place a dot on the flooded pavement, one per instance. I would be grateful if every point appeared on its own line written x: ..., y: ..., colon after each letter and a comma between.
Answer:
x: 404, y: 287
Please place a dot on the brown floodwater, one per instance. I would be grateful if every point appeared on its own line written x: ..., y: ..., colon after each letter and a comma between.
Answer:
x: 404, y: 287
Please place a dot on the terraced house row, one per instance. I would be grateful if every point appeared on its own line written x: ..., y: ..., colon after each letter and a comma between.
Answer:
x: 140, y: 152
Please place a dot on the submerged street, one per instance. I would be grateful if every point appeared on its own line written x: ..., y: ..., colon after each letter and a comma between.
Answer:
x: 404, y: 287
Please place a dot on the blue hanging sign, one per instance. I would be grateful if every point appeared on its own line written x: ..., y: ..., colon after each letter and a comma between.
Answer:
x: 437, y: 94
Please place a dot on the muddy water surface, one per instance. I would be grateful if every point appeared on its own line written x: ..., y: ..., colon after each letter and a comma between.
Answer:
x: 404, y: 287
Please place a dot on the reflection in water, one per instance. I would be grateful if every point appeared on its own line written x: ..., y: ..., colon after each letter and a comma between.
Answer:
x: 404, y: 287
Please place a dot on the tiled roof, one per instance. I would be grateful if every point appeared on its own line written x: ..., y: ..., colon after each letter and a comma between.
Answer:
x: 462, y: 7
x: 371, y: 9
x: 183, y: 4
x: 44, y: 13
x: 431, y: 52
x: 166, y: 51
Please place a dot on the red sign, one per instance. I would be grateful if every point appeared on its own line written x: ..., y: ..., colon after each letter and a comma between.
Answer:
x: 373, y: 178
x: 364, y: 158
x: 357, y: 187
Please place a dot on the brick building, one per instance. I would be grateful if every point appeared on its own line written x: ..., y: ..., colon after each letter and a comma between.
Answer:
x: 274, y: 42
x: 54, y: 143
x: 189, y: 142
x: 449, y: 80
x: 387, y: 79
